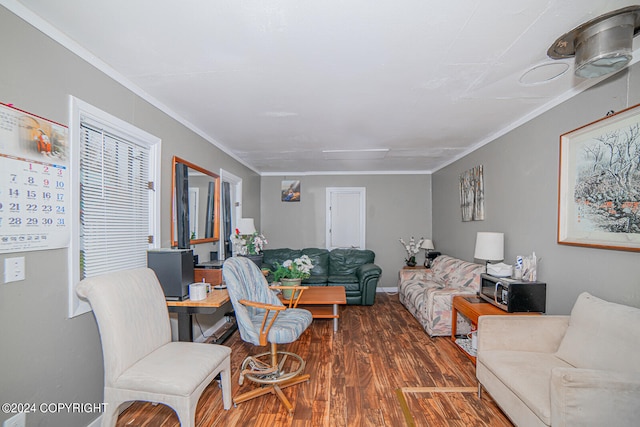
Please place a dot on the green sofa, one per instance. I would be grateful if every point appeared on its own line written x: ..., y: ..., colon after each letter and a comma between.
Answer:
x: 352, y: 268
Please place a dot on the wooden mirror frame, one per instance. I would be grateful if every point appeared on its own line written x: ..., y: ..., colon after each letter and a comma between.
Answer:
x: 174, y: 207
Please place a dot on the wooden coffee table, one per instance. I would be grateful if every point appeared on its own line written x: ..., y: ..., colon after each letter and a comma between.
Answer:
x: 322, y: 302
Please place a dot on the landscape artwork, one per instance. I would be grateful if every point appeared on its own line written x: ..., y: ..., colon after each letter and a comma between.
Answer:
x: 472, y: 194
x: 599, y: 200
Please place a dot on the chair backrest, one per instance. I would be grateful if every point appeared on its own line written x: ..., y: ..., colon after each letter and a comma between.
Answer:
x: 245, y: 281
x: 132, y: 316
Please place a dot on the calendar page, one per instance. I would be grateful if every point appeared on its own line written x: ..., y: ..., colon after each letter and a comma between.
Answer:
x: 34, y: 182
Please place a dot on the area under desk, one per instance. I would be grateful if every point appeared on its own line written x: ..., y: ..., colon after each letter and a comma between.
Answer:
x: 216, y: 300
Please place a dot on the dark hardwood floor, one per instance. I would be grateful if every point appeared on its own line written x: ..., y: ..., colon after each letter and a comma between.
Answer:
x: 355, y: 377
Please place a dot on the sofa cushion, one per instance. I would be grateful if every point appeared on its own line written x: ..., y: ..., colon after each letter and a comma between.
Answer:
x: 453, y: 272
x: 527, y: 374
x: 601, y: 335
x: 345, y: 262
x: 271, y: 257
x: 438, y: 312
x: 320, y: 260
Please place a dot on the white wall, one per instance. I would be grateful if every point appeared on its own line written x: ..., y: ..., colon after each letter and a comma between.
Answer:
x: 521, y: 181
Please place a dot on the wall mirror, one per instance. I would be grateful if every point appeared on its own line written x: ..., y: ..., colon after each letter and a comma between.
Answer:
x: 195, y: 204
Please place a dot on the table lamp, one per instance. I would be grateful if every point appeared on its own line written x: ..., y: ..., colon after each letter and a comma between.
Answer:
x: 489, y: 246
x: 246, y: 226
x: 427, y: 245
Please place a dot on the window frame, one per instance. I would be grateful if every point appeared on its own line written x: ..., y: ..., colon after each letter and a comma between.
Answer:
x: 77, y: 110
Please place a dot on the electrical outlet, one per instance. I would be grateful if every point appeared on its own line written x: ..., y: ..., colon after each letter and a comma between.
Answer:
x: 18, y: 420
x: 13, y: 269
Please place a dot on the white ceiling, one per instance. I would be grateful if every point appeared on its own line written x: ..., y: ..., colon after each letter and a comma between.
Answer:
x: 275, y: 82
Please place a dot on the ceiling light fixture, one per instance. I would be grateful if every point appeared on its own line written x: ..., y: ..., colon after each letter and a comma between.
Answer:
x: 602, y: 45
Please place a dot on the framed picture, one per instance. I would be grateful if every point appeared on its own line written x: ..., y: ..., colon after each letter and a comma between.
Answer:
x: 472, y: 194
x: 599, y: 183
x: 290, y: 191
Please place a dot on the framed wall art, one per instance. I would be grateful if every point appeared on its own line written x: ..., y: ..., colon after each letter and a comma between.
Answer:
x: 290, y: 191
x: 599, y: 183
x: 472, y: 194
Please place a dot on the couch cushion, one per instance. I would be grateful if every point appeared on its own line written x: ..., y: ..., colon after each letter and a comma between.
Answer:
x: 320, y: 260
x: 527, y: 374
x: 347, y: 261
x: 342, y: 278
x: 453, y: 272
x: 602, y: 335
x: 316, y: 280
x: 271, y: 257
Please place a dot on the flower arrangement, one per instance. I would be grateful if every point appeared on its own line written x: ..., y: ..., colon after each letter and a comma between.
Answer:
x: 299, y: 268
x: 251, y: 244
x: 412, y: 249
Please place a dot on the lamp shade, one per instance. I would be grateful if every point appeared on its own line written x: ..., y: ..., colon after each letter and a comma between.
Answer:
x: 489, y: 246
x: 427, y: 245
x: 246, y: 226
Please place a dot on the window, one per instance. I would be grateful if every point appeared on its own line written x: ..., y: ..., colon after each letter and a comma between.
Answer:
x: 114, y: 168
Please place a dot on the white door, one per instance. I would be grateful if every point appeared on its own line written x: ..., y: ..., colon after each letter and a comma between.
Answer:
x: 346, y: 217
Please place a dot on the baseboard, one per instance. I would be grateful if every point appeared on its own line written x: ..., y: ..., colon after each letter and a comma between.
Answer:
x: 388, y: 290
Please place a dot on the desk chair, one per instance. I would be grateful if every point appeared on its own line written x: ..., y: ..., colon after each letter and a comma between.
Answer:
x: 263, y: 319
x: 140, y: 361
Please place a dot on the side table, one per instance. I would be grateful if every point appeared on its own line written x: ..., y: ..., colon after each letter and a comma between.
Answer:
x: 472, y: 306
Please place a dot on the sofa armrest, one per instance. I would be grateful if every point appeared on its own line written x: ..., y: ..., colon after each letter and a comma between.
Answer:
x: 521, y: 333
x: 587, y: 397
x: 368, y: 275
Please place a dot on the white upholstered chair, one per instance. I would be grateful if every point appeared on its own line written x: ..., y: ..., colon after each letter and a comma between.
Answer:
x: 140, y: 361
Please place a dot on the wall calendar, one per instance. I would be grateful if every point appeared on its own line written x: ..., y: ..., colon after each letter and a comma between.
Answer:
x: 34, y: 182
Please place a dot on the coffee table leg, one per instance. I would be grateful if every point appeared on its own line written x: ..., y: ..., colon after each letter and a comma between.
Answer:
x: 335, y: 319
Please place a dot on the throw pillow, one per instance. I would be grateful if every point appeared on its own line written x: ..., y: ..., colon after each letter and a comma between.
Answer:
x: 601, y: 335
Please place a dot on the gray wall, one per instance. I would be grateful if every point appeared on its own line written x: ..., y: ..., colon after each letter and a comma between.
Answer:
x: 397, y: 206
x: 44, y: 356
x: 521, y: 181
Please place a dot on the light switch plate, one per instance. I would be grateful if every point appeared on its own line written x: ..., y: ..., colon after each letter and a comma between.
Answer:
x: 14, y: 269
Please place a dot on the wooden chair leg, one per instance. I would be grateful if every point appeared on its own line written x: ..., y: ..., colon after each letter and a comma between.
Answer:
x: 261, y: 391
x: 274, y: 388
x: 283, y: 399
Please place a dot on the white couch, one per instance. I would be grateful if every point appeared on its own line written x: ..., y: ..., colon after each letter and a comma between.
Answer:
x: 427, y: 294
x: 578, y: 370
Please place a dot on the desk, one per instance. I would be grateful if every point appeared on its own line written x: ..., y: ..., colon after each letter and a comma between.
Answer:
x: 216, y: 300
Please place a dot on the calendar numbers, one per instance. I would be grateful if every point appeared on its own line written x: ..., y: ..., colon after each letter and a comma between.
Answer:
x: 33, y: 209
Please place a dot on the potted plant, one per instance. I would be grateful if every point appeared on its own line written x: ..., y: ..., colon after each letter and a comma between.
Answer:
x: 292, y: 272
x: 412, y: 249
x: 249, y: 245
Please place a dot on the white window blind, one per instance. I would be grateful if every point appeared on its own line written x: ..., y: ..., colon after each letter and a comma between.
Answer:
x: 114, y: 209
x: 114, y: 202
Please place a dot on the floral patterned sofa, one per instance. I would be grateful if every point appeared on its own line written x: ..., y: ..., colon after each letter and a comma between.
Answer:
x: 427, y: 294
